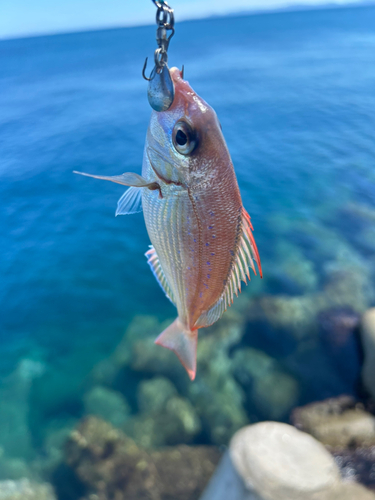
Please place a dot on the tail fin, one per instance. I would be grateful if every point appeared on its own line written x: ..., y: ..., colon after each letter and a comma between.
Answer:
x: 182, y: 342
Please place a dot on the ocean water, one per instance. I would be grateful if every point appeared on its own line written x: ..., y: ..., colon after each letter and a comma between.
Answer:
x: 295, y: 94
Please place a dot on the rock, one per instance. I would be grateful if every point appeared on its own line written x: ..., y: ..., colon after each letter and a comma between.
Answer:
x: 226, y: 484
x: 165, y: 419
x: 107, y: 404
x: 154, y: 394
x: 110, y: 466
x: 190, y: 467
x: 295, y: 267
x: 138, y: 352
x: 215, y: 394
x: 25, y: 490
x: 13, y: 468
x: 268, y: 388
x: 51, y: 456
x: 340, y: 340
x: 348, y: 285
x: 215, y: 398
x: 368, y: 342
x: 281, y: 463
x: 296, y: 315
x: 338, y: 422
x: 357, y: 464
x: 348, y: 491
x: 15, y: 437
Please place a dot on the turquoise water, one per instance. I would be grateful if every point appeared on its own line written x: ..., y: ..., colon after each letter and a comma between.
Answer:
x: 294, y: 93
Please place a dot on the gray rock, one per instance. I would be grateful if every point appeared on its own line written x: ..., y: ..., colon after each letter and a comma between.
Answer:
x: 281, y: 463
x: 295, y: 266
x: 296, y: 315
x: 153, y: 395
x: 25, y: 490
x: 217, y: 397
x: 226, y: 484
x: 138, y: 351
x: 346, y: 491
x: 110, y: 466
x: 338, y: 422
x: 165, y: 418
x: 107, y: 404
x: 368, y: 342
x: 272, y: 391
x: 15, y: 437
x: 13, y: 468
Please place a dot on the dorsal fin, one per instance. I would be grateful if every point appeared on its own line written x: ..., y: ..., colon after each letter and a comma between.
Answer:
x: 246, y: 253
x: 153, y: 261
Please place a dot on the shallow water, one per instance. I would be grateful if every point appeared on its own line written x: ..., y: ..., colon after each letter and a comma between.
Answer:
x: 294, y: 93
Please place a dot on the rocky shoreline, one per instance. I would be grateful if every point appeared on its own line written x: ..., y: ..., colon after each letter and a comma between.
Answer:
x: 136, y: 410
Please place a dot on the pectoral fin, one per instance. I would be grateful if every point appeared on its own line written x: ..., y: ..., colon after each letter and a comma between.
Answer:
x: 126, y: 179
x: 130, y: 202
x: 182, y: 342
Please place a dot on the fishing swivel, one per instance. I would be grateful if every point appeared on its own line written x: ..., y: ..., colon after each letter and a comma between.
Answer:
x: 160, y: 90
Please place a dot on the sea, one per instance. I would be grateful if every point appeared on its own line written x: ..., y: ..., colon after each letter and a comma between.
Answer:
x: 295, y: 95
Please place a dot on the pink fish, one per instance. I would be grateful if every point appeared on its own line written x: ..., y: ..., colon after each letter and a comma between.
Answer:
x: 201, y: 235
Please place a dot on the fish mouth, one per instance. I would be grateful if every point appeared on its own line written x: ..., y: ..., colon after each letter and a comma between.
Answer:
x: 165, y: 170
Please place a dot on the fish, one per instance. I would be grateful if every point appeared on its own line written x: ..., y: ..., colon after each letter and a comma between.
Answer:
x: 201, y: 235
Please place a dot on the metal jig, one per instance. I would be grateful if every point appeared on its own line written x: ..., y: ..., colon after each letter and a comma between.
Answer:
x: 160, y: 90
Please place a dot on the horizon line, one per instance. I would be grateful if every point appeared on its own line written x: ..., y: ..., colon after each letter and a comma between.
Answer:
x: 330, y: 5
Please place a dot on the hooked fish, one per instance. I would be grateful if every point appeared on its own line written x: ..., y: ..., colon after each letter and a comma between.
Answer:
x: 201, y: 235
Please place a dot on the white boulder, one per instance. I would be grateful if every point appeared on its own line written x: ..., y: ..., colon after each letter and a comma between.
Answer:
x: 279, y: 462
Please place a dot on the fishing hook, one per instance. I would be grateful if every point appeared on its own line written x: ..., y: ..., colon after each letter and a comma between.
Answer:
x: 161, y: 87
x: 144, y: 71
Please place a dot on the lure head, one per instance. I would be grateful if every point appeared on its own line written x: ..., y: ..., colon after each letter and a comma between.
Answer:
x: 160, y: 90
x: 185, y: 142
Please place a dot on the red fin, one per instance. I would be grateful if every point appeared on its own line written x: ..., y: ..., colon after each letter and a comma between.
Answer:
x: 253, y: 244
x: 182, y: 342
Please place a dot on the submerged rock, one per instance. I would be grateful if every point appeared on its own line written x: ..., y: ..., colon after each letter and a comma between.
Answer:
x: 107, y: 404
x: 368, y: 342
x: 165, y: 419
x: 340, y: 339
x: 214, y: 402
x: 25, y: 490
x: 296, y: 315
x: 270, y: 390
x: 294, y: 267
x: 15, y: 435
x: 13, y: 468
x: 357, y: 464
x: 110, y: 466
x: 215, y: 394
x: 338, y: 422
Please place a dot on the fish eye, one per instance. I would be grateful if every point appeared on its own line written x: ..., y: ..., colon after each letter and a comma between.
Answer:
x: 183, y: 138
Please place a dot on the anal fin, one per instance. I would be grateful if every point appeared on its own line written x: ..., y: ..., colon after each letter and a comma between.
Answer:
x: 154, y: 263
x: 183, y: 342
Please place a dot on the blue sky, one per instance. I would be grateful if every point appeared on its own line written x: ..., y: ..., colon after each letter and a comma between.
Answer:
x: 31, y: 17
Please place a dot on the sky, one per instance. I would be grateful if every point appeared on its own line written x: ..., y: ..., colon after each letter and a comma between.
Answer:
x: 33, y: 17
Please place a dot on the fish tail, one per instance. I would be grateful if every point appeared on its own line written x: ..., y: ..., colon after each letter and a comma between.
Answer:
x: 183, y: 342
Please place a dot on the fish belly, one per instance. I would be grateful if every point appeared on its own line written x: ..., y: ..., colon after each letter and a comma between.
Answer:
x: 195, y: 234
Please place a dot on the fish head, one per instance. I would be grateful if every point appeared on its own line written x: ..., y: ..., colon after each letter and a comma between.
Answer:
x: 185, y: 144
